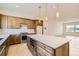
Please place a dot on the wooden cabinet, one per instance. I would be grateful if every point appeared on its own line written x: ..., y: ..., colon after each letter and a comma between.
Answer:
x: 14, y: 39
x: 44, y: 49
x: 40, y: 49
x: 0, y: 21
x: 42, y: 52
x: 39, y: 23
x: 13, y: 22
x: 48, y: 51
x: 63, y: 50
x: 7, y: 46
x: 32, y: 46
x: 4, y: 48
x: 30, y: 23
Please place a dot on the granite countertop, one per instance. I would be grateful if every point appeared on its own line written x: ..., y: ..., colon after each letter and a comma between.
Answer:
x: 50, y: 40
x: 4, y: 36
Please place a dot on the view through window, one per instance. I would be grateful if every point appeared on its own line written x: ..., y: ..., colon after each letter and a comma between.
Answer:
x: 72, y: 27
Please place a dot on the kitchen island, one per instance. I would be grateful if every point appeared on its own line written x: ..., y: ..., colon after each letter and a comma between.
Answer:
x: 4, y: 44
x: 47, y: 45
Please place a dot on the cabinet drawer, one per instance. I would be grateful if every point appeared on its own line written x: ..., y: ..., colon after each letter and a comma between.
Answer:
x: 45, y: 47
x: 2, y: 51
x: 42, y: 52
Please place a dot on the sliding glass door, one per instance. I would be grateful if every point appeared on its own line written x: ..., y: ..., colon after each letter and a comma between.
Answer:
x: 77, y: 28
x: 71, y: 28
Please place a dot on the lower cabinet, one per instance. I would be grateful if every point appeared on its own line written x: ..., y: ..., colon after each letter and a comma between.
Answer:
x: 32, y: 46
x: 4, y: 47
x: 39, y: 49
x: 14, y: 39
x: 44, y: 50
x: 2, y: 51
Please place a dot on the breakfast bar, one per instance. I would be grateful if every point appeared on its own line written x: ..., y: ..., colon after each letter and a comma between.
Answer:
x: 47, y: 45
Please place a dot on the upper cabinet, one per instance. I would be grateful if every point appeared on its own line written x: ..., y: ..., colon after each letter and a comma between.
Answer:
x: 30, y: 23
x: 15, y: 22
x: 11, y: 22
x: 0, y: 21
x: 39, y: 23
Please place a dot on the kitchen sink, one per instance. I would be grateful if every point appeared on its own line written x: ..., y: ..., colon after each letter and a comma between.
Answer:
x: 1, y: 39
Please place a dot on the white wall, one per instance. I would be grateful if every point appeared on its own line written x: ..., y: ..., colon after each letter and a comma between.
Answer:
x: 55, y: 27
x: 59, y: 28
x: 67, y: 20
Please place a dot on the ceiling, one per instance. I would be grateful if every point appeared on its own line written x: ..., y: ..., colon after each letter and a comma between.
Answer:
x: 31, y: 10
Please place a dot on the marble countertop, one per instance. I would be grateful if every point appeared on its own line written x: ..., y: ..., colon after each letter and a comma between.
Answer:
x: 4, y: 38
x: 50, y: 40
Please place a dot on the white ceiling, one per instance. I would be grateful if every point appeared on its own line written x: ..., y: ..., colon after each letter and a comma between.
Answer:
x: 30, y: 10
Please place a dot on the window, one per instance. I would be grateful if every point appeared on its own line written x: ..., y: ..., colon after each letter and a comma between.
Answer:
x: 69, y: 28
x: 77, y: 28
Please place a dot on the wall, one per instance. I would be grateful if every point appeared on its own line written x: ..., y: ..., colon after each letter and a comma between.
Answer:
x: 55, y: 27
x: 59, y: 28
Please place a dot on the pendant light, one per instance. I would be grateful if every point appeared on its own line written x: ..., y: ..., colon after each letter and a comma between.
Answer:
x: 46, y: 12
x: 57, y: 12
x: 39, y: 14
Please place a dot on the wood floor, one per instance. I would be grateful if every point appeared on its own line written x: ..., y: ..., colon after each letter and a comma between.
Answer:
x: 74, y: 45
x: 22, y: 49
x: 19, y: 50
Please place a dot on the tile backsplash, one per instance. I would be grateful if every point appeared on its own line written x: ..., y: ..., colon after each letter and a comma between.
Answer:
x: 16, y: 31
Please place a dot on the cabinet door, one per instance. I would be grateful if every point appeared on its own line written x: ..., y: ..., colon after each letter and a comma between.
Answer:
x: 30, y: 23
x: 42, y: 52
x: 28, y: 42
x: 2, y: 51
x: 63, y: 50
x: 10, y: 22
x: 0, y: 21
x: 13, y: 22
x: 7, y: 45
x: 45, y: 47
x: 14, y: 39
x: 17, y: 39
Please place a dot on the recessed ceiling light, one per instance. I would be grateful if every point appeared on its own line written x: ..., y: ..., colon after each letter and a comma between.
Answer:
x: 54, y: 6
x: 17, y: 6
